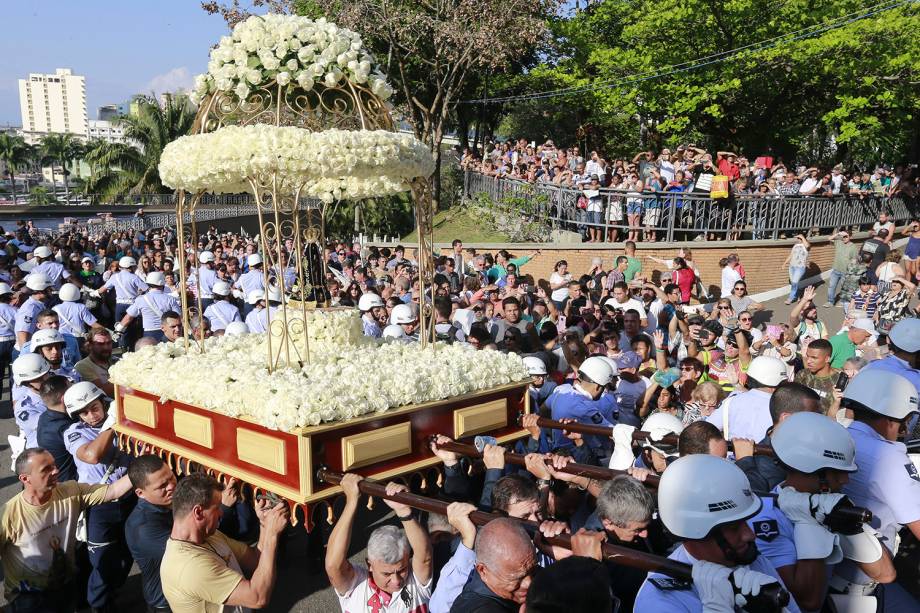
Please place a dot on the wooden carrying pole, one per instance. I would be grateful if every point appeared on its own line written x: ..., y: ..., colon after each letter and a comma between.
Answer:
x: 638, y: 435
x: 773, y: 594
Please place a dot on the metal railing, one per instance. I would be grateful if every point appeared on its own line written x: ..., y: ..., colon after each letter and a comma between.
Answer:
x: 676, y: 216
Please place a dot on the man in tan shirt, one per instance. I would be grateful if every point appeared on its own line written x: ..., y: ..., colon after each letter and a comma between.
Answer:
x: 202, y: 570
x: 38, y: 533
x: 95, y: 367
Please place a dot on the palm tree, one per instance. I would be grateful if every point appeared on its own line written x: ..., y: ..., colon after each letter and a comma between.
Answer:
x: 120, y: 168
x: 61, y: 148
x: 16, y: 153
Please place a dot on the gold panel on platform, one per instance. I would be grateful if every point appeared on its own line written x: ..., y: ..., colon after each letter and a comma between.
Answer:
x: 194, y: 428
x: 139, y: 410
x: 481, y: 418
x: 376, y: 446
x: 260, y: 449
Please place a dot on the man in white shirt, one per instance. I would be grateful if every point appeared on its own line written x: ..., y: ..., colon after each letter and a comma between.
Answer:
x: 622, y: 301
x: 747, y: 415
x: 883, y: 223
x: 593, y: 166
x: 810, y: 182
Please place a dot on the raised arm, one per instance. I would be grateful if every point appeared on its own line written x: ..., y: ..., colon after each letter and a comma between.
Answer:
x: 340, y: 571
x: 256, y: 592
x: 417, y: 536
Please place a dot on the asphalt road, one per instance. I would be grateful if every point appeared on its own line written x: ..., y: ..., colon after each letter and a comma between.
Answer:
x: 301, y: 584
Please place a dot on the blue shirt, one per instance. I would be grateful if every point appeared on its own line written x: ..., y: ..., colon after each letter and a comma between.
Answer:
x: 128, y: 286
x: 27, y: 408
x: 53, y: 270
x: 539, y: 395
x: 146, y: 531
x: 7, y: 321
x: 251, y: 281
x: 151, y: 306
x: 25, y: 316
x: 567, y: 402
x: 80, y: 434
x: 50, y: 436
x: 220, y: 313
x: 73, y: 318
x: 453, y: 577
x: 204, y: 281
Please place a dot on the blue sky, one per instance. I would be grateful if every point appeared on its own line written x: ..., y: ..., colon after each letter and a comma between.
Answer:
x: 122, y: 48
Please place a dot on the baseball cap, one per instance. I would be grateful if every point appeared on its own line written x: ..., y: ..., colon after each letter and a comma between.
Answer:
x: 864, y: 323
x: 905, y: 335
x: 627, y: 359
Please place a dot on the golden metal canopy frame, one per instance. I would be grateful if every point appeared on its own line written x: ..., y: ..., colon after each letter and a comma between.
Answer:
x: 292, y: 228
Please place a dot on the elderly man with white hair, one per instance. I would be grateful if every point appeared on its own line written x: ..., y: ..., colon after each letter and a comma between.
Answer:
x: 398, y: 577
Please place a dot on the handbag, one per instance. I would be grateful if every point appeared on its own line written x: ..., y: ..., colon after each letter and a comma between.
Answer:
x: 719, y: 187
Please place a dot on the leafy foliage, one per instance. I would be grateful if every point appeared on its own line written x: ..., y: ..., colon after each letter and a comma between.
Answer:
x: 15, y: 153
x: 521, y: 217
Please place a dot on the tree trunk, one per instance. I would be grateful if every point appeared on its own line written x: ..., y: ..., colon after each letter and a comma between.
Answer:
x: 12, y: 182
x: 66, y: 185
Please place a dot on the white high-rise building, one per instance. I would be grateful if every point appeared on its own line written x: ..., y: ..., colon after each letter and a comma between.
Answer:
x: 53, y: 103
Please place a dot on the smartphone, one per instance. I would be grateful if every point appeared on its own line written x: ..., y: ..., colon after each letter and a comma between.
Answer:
x: 842, y: 381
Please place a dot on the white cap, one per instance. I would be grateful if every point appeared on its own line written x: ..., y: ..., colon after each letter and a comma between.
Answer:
x: 69, y: 292
x: 534, y: 365
x: 864, y: 323
x: 221, y: 288
x: 395, y: 331
x: 205, y: 256
x: 42, y: 251
x: 882, y: 392
x: 44, y: 337
x: 79, y: 395
x: 236, y: 328
x: 596, y: 370
x: 253, y: 258
x: 127, y: 262
x: 5, y: 289
x: 255, y: 295
x: 369, y: 301
x: 699, y: 492
x: 274, y: 294
x: 86, y: 258
x: 28, y: 367
x: 767, y: 370
x: 905, y: 335
x: 155, y: 278
x: 38, y: 282
x: 809, y: 442
x: 663, y: 422
x: 402, y: 314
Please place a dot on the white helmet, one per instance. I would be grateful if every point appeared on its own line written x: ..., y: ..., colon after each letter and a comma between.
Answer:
x: 79, y: 395
x: 236, y: 328
x: 596, y: 370
x: 395, y: 331
x: 28, y: 367
x: 905, y: 335
x: 612, y: 364
x: 662, y: 422
x: 38, y: 282
x: 699, y: 492
x: 155, y: 278
x: 402, y: 314
x: 882, y: 392
x: 221, y: 288
x: 767, y: 370
x: 274, y: 294
x: 5, y: 289
x: 809, y: 442
x: 205, y: 256
x: 69, y: 292
x: 534, y: 366
x: 127, y: 262
x: 255, y: 295
x: 45, y: 337
x: 369, y: 301
x: 42, y: 251
x: 253, y: 259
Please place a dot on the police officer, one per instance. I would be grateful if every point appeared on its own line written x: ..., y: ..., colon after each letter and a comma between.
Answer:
x: 48, y: 267
x: 395, y: 332
x: 373, y: 311
x: 706, y: 501
x: 794, y: 530
x: 38, y: 287
x: 128, y: 286
x: 205, y: 278
x: 29, y: 372
x: 904, y: 348
x: 654, y: 455
x: 886, y: 481
x: 540, y: 386
x: 91, y: 441
x: 7, y: 330
x: 258, y: 320
x: 251, y: 281
x: 221, y: 313
x: 586, y: 402
x: 53, y: 423
x: 404, y: 316
x: 150, y: 308
x: 72, y: 314
x: 236, y: 328
x: 50, y: 344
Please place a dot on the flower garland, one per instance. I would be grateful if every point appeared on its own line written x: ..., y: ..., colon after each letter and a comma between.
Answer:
x: 285, y: 49
x: 339, y: 384
x: 330, y: 165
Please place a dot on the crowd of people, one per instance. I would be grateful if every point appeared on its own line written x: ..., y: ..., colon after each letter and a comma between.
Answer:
x: 636, y: 190
x: 738, y: 443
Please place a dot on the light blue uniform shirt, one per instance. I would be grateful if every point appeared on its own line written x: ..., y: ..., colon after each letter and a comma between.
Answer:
x: 128, y: 286
x: 221, y: 313
x: 775, y: 533
x: 257, y: 321
x: 567, y: 402
x: 254, y: 280
x: 661, y: 594
x: 71, y: 351
x: 748, y: 415
x: 27, y: 408
x: 371, y: 328
x: 82, y: 433
x: 55, y: 272
x: 452, y: 579
x: 7, y: 322
x: 151, y: 306
x: 204, y: 281
x: 73, y: 318
x: 25, y: 316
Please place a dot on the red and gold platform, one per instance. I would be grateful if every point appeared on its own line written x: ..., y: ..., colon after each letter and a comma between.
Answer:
x: 382, y: 445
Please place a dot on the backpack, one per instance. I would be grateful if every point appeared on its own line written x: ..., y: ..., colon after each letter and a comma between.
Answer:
x: 447, y: 335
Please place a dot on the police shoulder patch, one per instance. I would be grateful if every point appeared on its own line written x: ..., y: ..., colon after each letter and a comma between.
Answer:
x: 597, y: 418
x: 766, y: 529
x: 24, y: 415
x: 670, y: 584
x: 912, y: 471
x: 73, y: 436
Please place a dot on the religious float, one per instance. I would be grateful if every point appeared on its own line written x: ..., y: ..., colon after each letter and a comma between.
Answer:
x: 293, y: 112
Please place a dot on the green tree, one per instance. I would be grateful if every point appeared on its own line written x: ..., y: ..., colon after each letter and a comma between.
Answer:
x: 15, y: 153
x: 61, y: 149
x: 40, y: 196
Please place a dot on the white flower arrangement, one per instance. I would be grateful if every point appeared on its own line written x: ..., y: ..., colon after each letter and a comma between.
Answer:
x: 327, y: 328
x: 339, y: 384
x: 330, y: 165
x: 284, y: 49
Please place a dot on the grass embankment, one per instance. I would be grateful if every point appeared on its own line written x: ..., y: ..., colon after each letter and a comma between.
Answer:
x: 458, y: 223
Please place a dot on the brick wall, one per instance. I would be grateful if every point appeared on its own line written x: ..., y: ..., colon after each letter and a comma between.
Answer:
x: 762, y: 260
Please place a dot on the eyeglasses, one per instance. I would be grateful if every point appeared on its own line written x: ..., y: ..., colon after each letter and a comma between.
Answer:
x: 744, y: 319
x: 739, y: 289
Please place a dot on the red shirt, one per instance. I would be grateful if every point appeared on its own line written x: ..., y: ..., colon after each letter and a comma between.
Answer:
x: 730, y: 170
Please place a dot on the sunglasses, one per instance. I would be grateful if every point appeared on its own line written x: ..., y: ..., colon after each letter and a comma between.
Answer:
x: 724, y: 306
x: 739, y: 289
x: 687, y: 368
x: 744, y: 319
